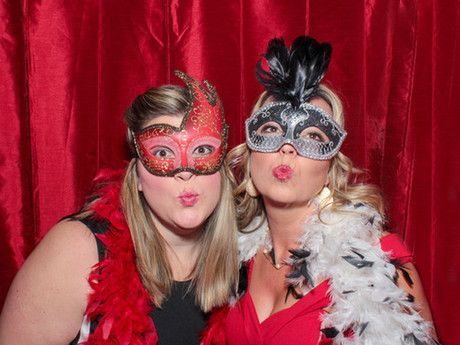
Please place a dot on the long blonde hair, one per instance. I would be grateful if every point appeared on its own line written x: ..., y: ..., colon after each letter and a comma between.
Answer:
x: 215, y: 273
x: 342, y: 175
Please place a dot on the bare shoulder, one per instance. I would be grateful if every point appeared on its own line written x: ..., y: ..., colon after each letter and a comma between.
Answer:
x: 47, y: 299
x: 68, y: 247
x: 68, y: 232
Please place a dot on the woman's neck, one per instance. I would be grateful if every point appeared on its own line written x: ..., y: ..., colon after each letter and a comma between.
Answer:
x: 182, y: 251
x: 286, y: 225
x: 182, y: 257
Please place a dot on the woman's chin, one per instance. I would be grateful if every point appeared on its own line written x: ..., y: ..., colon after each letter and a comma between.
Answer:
x: 189, y: 225
x: 284, y: 200
x: 281, y: 197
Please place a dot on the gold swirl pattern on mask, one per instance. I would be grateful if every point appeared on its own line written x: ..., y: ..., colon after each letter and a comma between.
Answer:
x: 209, y: 92
x: 209, y: 164
x: 160, y: 130
x: 211, y: 95
x: 203, y: 118
x: 160, y: 166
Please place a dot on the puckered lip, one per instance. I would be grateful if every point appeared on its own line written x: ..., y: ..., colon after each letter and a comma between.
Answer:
x: 283, y: 172
x: 188, y: 198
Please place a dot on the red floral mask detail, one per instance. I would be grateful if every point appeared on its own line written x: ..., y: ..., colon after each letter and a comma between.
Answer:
x: 198, y: 145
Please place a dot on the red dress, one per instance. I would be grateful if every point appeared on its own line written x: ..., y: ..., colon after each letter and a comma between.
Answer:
x: 288, y: 326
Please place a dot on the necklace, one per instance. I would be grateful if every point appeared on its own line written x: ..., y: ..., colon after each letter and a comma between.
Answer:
x: 270, y: 255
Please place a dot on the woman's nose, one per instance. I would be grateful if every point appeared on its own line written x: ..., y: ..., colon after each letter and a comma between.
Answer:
x: 183, y: 175
x: 288, y: 149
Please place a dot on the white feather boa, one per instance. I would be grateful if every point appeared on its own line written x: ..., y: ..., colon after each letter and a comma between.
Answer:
x: 344, y: 247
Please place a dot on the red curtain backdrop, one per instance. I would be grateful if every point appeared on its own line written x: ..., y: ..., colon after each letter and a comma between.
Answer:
x: 69, y: 69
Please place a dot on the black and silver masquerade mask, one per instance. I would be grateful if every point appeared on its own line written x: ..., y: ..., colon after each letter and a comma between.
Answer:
x: 292, y: 80
x: 308, y: 128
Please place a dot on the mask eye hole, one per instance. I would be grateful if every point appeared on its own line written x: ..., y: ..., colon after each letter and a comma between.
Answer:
x: 270, y: 129
x: 203, y: 148
x: 162, y: 152
x: 203, y: 151
x: 314, y: 133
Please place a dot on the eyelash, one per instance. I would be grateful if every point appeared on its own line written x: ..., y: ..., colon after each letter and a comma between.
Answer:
x: 157, y: 152
x: 315, y: 136
x: 209, y: 149
x: 269, y: 129
x: 164, y: 153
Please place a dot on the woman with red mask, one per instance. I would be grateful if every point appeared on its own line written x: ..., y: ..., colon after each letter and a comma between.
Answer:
x: 134, y: 267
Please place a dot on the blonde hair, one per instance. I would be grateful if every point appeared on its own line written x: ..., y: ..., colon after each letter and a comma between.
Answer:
x: 215, y: 273
x: 342, y: 175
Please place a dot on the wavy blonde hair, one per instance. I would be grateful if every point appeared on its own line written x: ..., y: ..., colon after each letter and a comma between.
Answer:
x: 342, y: 175
x: 215, y: 273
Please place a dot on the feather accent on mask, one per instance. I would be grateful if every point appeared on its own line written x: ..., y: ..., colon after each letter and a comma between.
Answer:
x: 294, y: 74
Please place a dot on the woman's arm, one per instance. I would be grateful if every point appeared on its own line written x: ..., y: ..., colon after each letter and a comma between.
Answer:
x: 412, y: 284
x: 48, y: 296
x: 416, y: 290
x: 408, y: 278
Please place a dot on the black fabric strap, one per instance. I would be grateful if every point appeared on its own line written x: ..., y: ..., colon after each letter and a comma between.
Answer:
x: 97, y: 227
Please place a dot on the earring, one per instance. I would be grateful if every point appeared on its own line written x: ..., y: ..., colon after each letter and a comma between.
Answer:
x: 324, y: 197
x: 251, y: 189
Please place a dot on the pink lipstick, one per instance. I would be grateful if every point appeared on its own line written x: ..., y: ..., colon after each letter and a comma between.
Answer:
x: 188, y: 199
x: 283, y: 172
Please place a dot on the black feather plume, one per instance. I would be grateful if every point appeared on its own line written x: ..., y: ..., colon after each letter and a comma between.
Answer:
x: 294, y: 74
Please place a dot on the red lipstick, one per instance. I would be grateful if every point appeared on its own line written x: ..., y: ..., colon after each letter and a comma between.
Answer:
x: 283, y: 172
x: 188, y: 199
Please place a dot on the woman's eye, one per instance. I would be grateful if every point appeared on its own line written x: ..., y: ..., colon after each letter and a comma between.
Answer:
x: 316, y: 136
x: 203, y: 150
x: 162, y: 152
x: 269, y: 129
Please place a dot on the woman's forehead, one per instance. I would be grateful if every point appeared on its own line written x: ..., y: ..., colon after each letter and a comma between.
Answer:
x: 317, y: 101
x: 321, y: 103
x: 168, y: 119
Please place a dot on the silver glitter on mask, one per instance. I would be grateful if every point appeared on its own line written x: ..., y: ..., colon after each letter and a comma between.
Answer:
x: 292, y: 123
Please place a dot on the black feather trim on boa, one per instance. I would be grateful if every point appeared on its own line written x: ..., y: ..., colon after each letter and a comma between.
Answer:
x: 344, y: 247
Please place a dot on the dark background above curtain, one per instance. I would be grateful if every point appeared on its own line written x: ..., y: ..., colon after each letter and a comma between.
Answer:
x: 69, y: 69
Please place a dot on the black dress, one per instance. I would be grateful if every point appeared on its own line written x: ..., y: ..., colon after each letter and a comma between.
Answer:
x: 179, y: 321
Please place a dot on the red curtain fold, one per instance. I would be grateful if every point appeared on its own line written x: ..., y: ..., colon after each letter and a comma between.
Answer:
x: 69, y: 70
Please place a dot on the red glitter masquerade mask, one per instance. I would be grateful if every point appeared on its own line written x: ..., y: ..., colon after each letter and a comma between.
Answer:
x: 198, y: 145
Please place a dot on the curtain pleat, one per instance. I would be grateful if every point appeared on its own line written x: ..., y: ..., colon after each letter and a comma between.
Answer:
x: 69, y: 69
x: 16, y: 188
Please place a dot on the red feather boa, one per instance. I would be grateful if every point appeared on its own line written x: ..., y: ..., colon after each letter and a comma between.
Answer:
x: 118, y: 298
x: 214, y: 334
